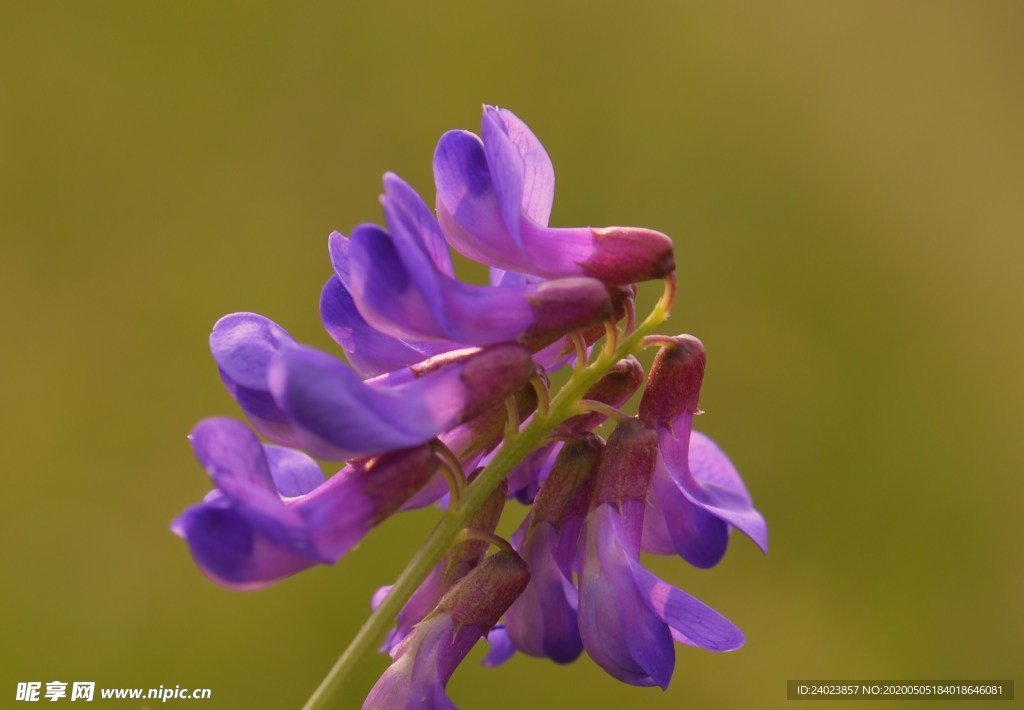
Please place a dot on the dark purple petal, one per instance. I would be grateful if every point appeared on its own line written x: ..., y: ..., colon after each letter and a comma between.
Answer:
x: 229, y: 550
x: 344, y: 417
x: 619, y: 629
x: 388, y: 297
x: 674, y: 525
x: 692, y: 621
x: 414, y: 225
x: 708, y: 479
x: 386, y: 293
x: 501, y: 648
x: 542, y: 621
x: 417, y: 241
x: 538, y: 173
x: 237, y: 463
x: 466, y: 199
x: 369, y: 351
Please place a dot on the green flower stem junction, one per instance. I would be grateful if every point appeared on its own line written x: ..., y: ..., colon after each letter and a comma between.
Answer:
x: 518, y: 444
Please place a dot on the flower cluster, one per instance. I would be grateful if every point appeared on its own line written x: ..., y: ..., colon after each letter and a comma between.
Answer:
x: 443, y: 398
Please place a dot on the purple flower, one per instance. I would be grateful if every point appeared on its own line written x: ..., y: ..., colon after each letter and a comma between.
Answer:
x: 426, y: 658
x: 299, y: 396
x: 542, y: 621
x: 273, y: 514
x: 403, y: 288
x: 696, y: 495
x: 628, y: 617
x: 494, y: 199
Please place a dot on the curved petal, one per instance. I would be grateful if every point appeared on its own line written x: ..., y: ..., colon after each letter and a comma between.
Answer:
x: 506, y: 168
x: 369, y: 351
x: 337, y: 247
x: 673, y: 524
x: 415, y: 236
x: 422, y: 665
x: 345, y: 417
x: 294, y: 473
x: 708, y: 479
x: 692, y: 621
x: 538, y: 173
x: 466, y: 196
x: 387, y: 296
x: 501, y: 648
x: 619, y: 629
x: 407, y: 214
x: 243, y: 344
x: 229, y: 550
x: 542, y: 621
x: 237, y: 463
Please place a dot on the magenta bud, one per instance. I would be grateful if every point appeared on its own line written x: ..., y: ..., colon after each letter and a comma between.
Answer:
x: 493, y: 374
x: 485, y: 593
x: 627, y: 464
x: 673, y: 387
x: 629, y: 254
x: 564, y: 305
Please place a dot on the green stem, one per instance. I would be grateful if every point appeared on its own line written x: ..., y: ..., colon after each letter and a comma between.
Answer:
x: 516, y: 447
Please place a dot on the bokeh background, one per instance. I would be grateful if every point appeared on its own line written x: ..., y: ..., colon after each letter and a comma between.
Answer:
x: 845, y: 185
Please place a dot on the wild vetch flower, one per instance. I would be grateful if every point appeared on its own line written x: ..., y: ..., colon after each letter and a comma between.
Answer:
x: 445, y: 399
x: 426, y: 658
x: 542, y: 621
x: 494, y: 199
x: 628, y: 617
x: 273, y: 514
x: 299, y: 396
x: 696, y: 495
x: 400, y: 289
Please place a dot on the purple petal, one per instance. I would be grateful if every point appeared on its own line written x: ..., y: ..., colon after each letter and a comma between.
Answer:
x: 501, y: 648
x: 467, y: 203
x: 423, y: 663
x: 345, y: 417
x: 673, y: 524
x: 619, y: 629
x: 542, y: 621
x: 407, y: 213
x: 243, y: 344
x: 237, y: 463
x: 506, y: 168
x: 414, y: 234
x: 692, y: 621
x: 369, y: 351
x: 386, y: 293
x: 337, y: 247
x: 233, y: 553
x: 707, y: 478
x: 538, y: 175
x: 387, y: 297
x: 294, y: 473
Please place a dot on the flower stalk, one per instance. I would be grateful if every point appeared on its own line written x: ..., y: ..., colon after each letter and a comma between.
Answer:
x: 518, y: 444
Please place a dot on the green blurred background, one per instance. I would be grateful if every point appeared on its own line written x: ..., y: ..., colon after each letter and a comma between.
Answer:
x: 845, y: 185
